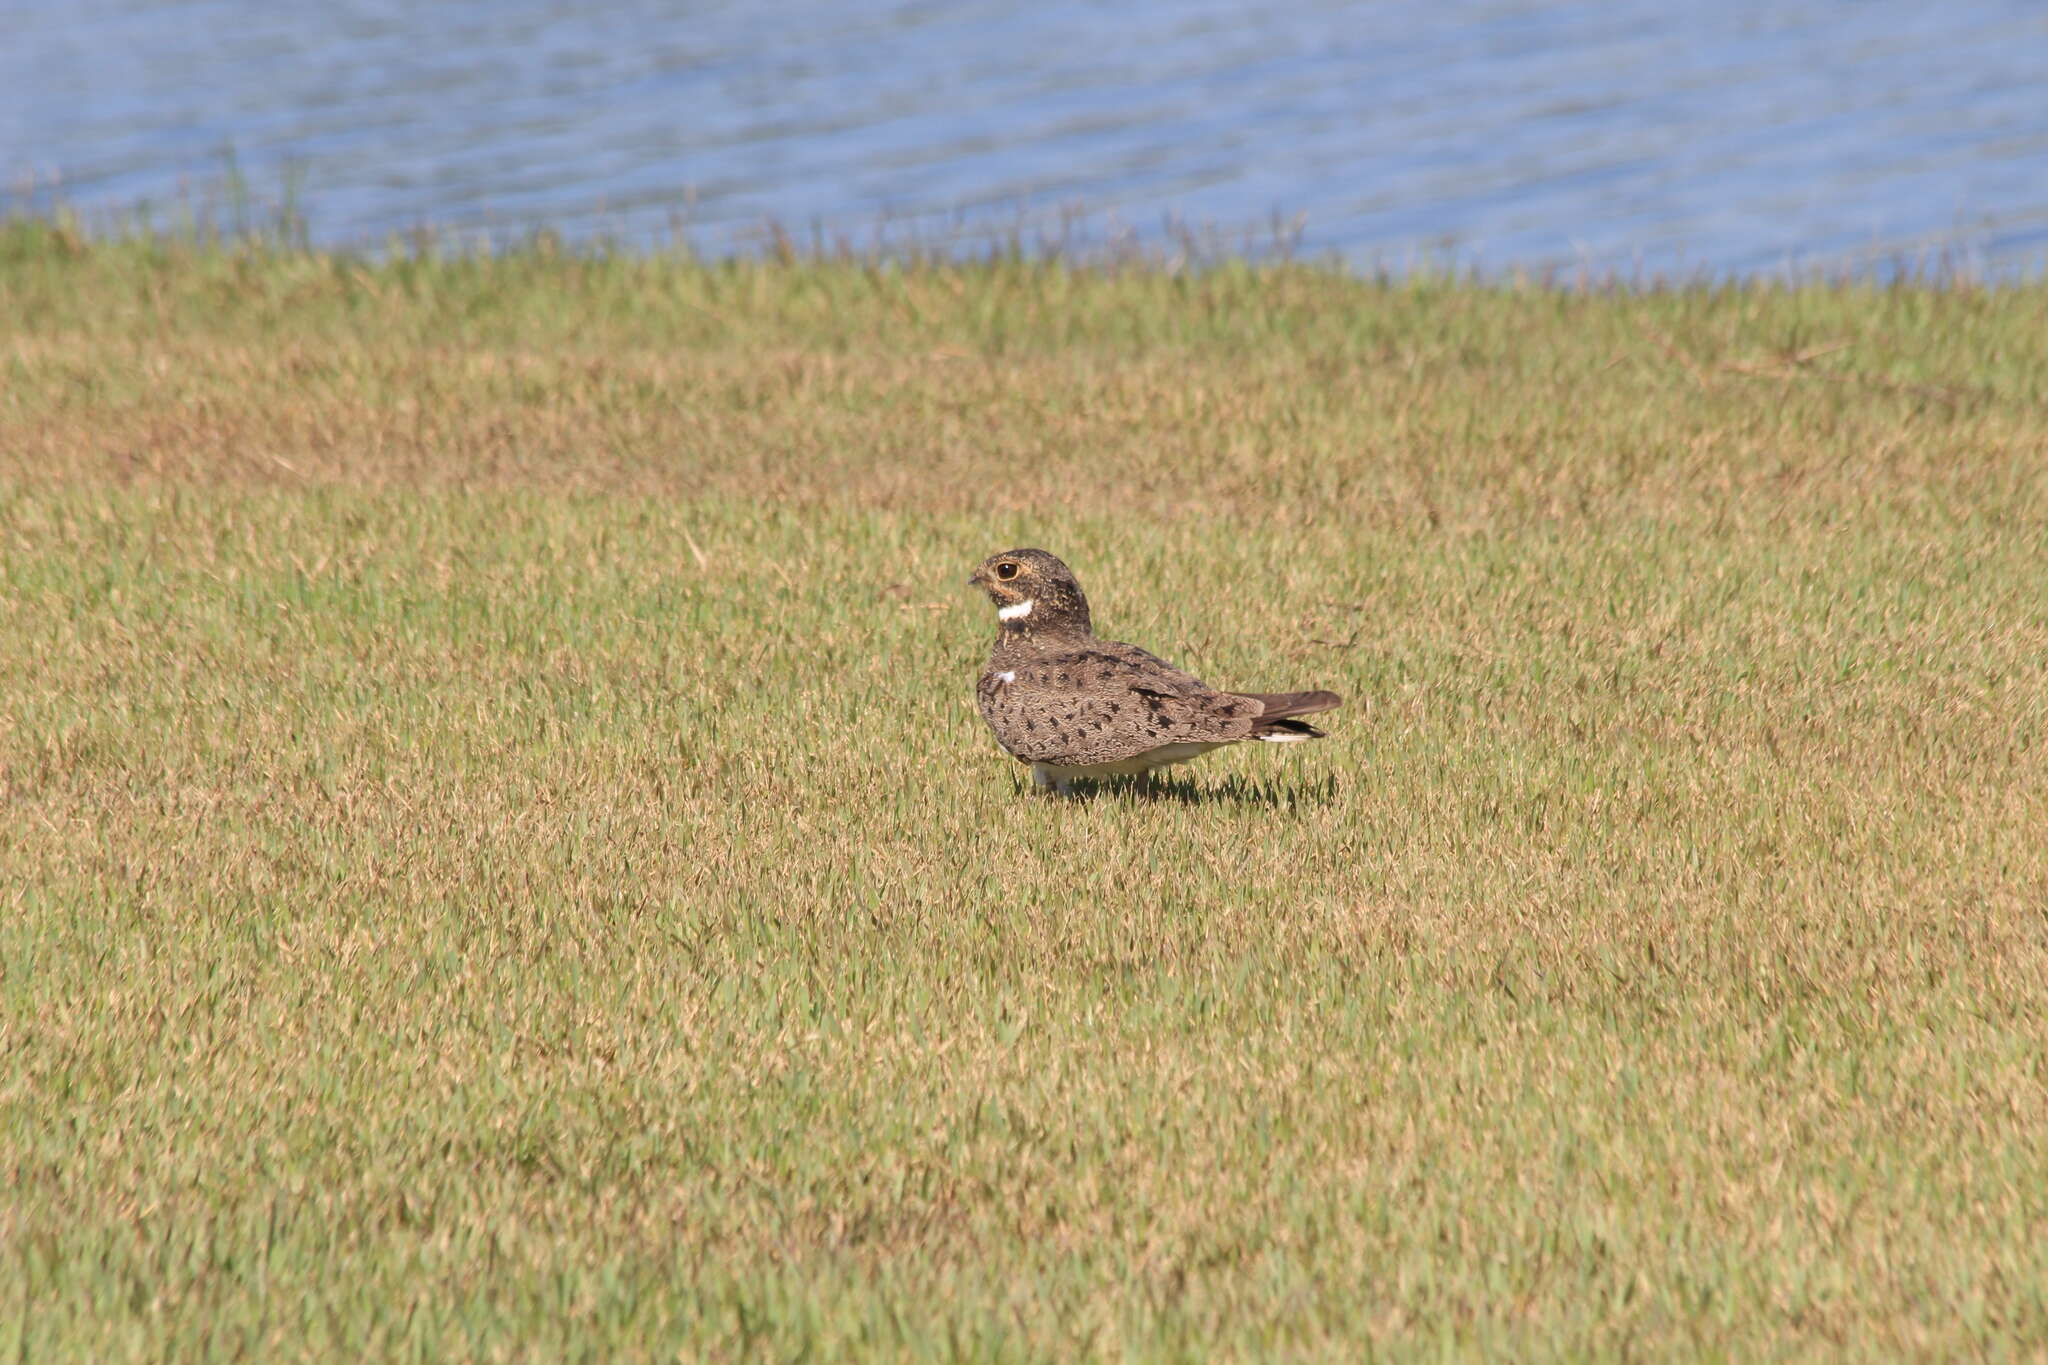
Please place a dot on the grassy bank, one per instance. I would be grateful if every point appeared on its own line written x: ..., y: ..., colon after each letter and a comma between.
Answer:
x: 498, y: 858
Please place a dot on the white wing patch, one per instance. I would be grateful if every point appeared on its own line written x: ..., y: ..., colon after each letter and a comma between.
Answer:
x: 1016, y: 611
x: 1283, y: 737
x: 1008, y: 675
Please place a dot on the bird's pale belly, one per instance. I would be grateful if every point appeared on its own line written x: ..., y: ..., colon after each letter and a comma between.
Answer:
x: 1049, y: 773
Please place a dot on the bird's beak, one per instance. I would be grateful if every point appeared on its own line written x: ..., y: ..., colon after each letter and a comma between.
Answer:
x: 975, y: 579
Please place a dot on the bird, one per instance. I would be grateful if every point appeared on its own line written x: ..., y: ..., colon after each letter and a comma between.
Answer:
x: 1075, y: 706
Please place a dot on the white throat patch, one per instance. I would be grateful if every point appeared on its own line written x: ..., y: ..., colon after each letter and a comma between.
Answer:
x: 1016, y: 611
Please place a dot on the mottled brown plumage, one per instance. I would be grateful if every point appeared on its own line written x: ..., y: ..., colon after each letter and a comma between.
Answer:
x: 1075, y: 706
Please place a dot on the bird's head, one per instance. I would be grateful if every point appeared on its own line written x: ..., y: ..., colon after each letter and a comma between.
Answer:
x: 1033, y: 591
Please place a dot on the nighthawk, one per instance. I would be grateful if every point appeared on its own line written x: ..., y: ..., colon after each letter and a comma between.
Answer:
x: 1074, y: 706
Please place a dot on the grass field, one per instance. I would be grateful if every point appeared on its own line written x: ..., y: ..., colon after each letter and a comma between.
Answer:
x: 499, y: 859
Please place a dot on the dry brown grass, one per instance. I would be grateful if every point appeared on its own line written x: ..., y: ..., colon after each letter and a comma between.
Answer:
x: 500, y: 860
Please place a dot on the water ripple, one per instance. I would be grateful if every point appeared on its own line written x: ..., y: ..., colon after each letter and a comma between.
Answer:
x: 1494, y: 133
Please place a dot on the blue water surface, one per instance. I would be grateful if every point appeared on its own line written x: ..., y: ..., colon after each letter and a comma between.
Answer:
x: 1628, y: 137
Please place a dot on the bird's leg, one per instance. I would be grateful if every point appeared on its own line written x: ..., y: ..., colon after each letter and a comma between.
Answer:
x: 1046, y: 780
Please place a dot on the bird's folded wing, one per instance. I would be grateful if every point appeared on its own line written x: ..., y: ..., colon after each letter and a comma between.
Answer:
x: 1201, y: 717
x: 1092, y: 707
x: 1178, y: 707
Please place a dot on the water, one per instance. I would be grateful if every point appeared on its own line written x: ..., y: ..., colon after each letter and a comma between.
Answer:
x: 1745, y: 137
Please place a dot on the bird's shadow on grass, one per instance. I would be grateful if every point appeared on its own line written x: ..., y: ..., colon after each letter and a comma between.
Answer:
x: 1273, y: 793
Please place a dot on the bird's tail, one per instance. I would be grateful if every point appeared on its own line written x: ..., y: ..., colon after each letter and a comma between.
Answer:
x: 1277, y: 724
x: 1280, y: 705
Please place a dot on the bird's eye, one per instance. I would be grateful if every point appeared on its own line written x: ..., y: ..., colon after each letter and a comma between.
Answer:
x: 1006, y: 572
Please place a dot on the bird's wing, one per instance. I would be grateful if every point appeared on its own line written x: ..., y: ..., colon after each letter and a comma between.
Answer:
x: 1144, y: 662
x: 1107, y: 702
